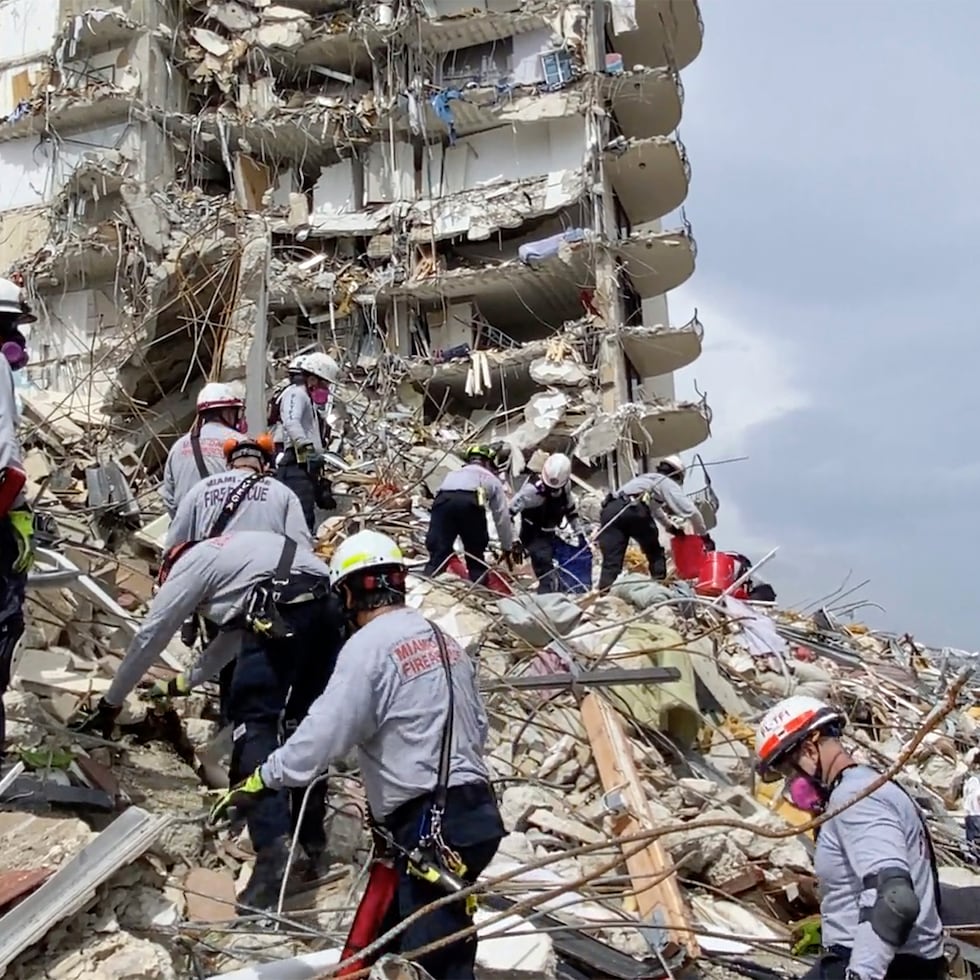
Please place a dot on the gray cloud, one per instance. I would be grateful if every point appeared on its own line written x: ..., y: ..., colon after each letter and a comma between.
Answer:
x: 834, y: 201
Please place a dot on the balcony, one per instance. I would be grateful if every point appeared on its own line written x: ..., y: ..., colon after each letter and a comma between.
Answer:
x: 652, y: 428
x: 472, y: 26
x: 668, y: 34
x: 657, y: 262
x: 650, y: 176
x: 657, y: 350
x: 646, y: 103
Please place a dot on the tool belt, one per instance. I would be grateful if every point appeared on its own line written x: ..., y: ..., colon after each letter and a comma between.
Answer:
x: 263, y: 607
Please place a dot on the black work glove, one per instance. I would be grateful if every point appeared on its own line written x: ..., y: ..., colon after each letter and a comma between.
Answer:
x: 709, y: 542
x: 675, y: 532
x: 517, y: 553
x: 189, y: 632
x: 99, y: 720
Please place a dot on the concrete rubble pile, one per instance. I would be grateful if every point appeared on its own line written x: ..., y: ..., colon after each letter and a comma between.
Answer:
x: 581, y: 761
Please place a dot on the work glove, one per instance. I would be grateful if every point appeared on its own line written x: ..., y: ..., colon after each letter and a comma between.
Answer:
x: 517, y: 553
x: 806, y: 936
x: 175, y: 687
x: 22, y: 523
x: 189, y: 631
x: 242, y: 797
x: 99, y: 720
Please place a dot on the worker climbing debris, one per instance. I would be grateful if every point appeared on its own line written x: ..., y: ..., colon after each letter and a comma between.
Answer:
x: 302, y: 466
x: 459, y: 511
x: 201, y: 452
x: 16, y: 519
x: 635, y: 511
x: 875, y: 860
x: 406, y: 696
x: 545, y: 502
x: 269, y: 600
x: 294, y: 376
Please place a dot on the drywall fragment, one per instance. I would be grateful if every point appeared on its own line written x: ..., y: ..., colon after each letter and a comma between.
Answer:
x: 232, y: 16
x: 613, y: 754
x: 522, y: 955
x: 252, y: 180
x: 212, y: 42
x: 210, y: 895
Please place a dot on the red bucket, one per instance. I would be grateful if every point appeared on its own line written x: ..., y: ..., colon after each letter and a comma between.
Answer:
x: 493, y: 581
x: 718, y: 571
x: 688, y: 552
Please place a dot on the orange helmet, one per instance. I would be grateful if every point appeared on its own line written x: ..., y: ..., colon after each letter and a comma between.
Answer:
x: 261, y: 447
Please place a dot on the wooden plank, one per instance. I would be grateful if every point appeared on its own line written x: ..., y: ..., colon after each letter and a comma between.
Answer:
x: 658, y: 902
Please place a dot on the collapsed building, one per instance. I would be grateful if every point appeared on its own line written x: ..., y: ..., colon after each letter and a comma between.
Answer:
x: 481, y: 199
x: 469, y: 203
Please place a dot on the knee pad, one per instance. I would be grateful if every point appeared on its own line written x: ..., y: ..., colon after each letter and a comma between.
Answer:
x: 896, y: 907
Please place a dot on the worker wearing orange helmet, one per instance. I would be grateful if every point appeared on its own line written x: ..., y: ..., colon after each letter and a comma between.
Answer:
x: 245, y: 497
x: 874, y: 861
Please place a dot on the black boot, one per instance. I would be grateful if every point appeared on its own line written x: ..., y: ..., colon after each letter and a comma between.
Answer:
x: 262, y: 891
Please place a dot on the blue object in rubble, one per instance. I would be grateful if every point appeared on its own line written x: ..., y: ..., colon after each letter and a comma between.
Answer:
x: 574, y: 565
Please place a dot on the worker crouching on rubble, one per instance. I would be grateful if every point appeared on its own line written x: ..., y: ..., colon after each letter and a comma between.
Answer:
x: 301, y: 467
x: 459, y: 511
x: 278, y: 620
x: 635, y: 511
x: 201, y: 452
x: 16, y: 519
x: 544, y: 503
x: 874, y: 861
x: 406, y: 696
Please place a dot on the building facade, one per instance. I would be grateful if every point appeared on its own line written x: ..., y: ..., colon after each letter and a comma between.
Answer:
x: 480, y: 198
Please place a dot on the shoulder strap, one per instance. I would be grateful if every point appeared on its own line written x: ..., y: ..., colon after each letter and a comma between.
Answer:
x: 933, y: 863
x: 202, y: 469
x: 446, y: 746
x: 285, y: 564
x: 234, y: 500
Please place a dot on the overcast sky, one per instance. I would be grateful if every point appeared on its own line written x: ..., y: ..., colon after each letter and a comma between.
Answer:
x: 835, y: 201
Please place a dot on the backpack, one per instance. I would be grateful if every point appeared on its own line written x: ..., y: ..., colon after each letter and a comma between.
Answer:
x: 273, y: 410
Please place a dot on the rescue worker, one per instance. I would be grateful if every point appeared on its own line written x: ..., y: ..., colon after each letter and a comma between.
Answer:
x: 16, y: 519
x: 294, y: 375
x: 201, y: 452
x: 874, y: 861
x: 634, y: 512
x: 544, y: 502
x: 243, y: 498
x: 276, y: 617
x: 261, y: 503
x: 406, y: 696
x: 459, y: 511
x: 301, y: 467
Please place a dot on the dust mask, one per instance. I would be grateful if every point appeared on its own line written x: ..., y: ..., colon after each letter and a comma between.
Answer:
x: 320, y: 396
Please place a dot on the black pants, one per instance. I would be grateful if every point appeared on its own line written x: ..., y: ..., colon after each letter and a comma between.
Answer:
x: 457, y: 514
x: 12, y: 585
x: 275, y: 682
x: 832, y: 965
x: 472, y: 827
x: 620, y: 520
x: 299, y: 479
x: 540, y: 547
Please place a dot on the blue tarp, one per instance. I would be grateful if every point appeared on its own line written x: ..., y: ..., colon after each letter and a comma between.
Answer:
x: 574, y: 565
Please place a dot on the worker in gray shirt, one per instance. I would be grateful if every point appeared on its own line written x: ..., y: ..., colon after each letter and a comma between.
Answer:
x: 243, y: 498
x: 301, y: 466
x: 271, y: 603
x: 16, y: 519
x: 406, y: 696
x: 201, y: 452
x: 459, y: 511
x: 635, y: 511
x: 874, y: 861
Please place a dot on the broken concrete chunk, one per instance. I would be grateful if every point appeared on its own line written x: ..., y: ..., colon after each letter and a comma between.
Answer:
x: 118, y: 957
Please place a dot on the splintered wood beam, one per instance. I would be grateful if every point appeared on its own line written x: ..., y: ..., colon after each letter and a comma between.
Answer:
x: 659, y: 902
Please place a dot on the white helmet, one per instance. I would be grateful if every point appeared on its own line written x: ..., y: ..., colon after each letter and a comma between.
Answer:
x: 786, y: 724
x: 321, y: 366
x: 11, y: 300
x: 366, y: 549
x: 676, y: 464
x: 217, y: 395
x: 297, y: 364
x: 557, y: 471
